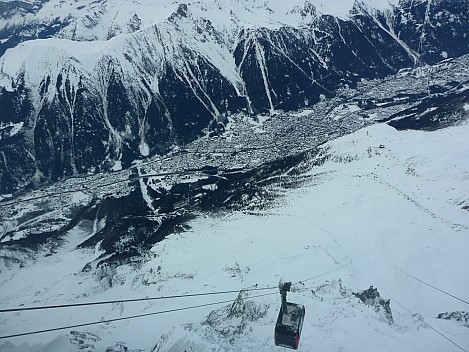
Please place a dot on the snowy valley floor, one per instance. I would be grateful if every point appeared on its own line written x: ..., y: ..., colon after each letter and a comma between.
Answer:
x: 367, y: 212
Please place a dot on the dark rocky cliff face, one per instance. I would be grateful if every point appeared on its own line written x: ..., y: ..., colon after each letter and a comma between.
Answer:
x: 84, y: 120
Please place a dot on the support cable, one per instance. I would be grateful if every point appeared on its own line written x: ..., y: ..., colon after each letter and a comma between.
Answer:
x: 125, y: 318
x: 423, y: 321
x: 315, y: 277
x: 141, y: 299
x: 425, y: 283
x: 8, y: 310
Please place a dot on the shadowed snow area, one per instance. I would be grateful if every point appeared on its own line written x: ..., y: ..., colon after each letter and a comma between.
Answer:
x: 383, y: 198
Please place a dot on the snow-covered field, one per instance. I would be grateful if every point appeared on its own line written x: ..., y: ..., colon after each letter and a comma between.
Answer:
x: 383, y: 200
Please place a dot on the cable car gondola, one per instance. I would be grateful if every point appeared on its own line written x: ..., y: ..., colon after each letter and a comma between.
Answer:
x: 290, y: 320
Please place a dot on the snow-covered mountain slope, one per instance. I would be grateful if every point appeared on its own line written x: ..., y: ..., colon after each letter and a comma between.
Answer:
x: 111, y: 82
x: 141, y: 205
x: 87, y: 20
x: 378, y: 199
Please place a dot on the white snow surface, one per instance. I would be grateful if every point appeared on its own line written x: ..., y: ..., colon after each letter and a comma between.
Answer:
x: 13, y: 128
x: 98, y: 19
x: 366, y: 209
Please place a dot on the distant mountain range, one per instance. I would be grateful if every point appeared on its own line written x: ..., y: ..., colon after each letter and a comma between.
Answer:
x: 92, y: 86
